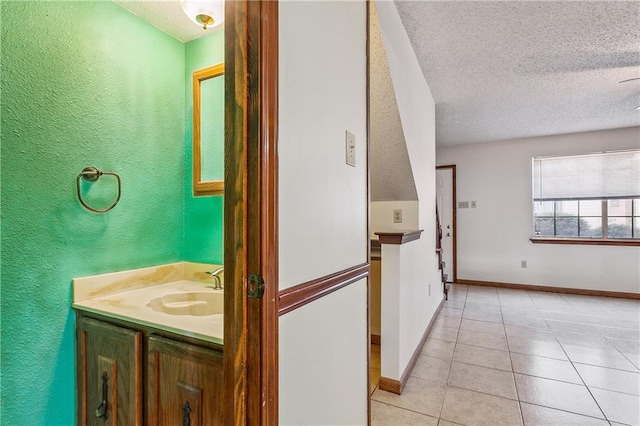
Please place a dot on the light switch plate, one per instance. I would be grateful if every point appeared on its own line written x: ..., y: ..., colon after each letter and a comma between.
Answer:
x: 350, y: 142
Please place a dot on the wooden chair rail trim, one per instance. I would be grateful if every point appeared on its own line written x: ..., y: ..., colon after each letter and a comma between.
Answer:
x: 400, y: 237
x: 396, y: 386
x: 549, y: 289
x: 587, y: 241
x: 301, y: 294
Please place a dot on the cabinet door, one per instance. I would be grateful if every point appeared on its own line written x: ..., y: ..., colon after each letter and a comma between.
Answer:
x: 109, y: 374
x: 185, y: 384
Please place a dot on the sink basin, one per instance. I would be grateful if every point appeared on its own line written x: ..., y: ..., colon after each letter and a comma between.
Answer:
x: 197, y: 303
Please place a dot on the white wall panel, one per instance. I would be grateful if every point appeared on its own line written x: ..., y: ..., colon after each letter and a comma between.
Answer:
x: 323, y: 360
x: 322, y: 93
x: 322, y: 210
x: 382, y: 216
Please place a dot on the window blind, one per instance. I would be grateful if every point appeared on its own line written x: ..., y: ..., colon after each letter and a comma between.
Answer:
x: 607, y: 175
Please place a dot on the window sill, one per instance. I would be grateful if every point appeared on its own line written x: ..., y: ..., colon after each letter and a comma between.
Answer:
x: 587, y: 241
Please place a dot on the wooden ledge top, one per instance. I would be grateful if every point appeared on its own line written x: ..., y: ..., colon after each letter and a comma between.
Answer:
x: 399, y: 237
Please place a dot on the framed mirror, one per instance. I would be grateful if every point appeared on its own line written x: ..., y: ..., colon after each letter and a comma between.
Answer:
x: 208, y: 131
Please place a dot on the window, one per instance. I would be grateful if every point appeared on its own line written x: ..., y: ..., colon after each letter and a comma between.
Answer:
x: 594, y: 196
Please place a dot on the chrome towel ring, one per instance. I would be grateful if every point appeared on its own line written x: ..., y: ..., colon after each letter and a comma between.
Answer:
x: 92, y: 174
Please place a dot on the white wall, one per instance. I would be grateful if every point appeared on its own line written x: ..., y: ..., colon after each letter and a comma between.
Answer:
x: 323, y: 346
x: 382, y: 216
x: 494, y: 237
x: 417, y: 262
x: 323, y: 209
x: 405, y: 305
x: 323, y: 201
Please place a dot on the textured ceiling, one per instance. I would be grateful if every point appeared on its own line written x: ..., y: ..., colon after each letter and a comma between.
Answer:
x: 510, y: 69
x: 391, y: 174
x: 167, y: 16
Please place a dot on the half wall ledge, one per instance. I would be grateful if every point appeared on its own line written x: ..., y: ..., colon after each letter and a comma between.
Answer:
x: 399, y: 237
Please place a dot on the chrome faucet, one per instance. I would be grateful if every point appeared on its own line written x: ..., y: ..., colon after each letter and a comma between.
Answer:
x: 216, y: 277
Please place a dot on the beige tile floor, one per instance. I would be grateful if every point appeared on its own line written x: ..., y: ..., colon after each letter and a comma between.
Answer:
x: 511, y: 357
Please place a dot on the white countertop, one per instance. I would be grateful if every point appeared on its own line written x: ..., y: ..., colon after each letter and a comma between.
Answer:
x: 132, y: 305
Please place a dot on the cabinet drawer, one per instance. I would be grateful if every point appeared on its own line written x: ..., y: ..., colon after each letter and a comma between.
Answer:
x: 184, y: 382
x: 109, y: 374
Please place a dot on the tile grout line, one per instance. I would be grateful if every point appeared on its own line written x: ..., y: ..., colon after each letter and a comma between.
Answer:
x: 484, y: 393
x: 455, y: 344
x: 621, y: 353
x: 405, y: 409
x: 583, y: 382
x: 513, y: 374
x: 570, y: 412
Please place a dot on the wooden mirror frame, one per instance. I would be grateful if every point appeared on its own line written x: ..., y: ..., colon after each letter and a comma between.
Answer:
x: 200, y: 187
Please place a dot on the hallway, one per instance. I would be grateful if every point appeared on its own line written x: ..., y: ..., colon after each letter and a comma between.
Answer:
x: 506, y: 357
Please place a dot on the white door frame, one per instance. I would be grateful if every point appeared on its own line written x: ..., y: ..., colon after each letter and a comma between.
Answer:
x: 454, y: 224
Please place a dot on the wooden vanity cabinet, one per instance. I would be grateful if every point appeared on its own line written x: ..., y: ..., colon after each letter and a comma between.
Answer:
x: 109, y: 374
x: 150, y: 379
x: 184, y: 384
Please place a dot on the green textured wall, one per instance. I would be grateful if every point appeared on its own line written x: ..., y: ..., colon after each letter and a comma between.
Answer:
x: 82, y: 83
x: 204, y: 215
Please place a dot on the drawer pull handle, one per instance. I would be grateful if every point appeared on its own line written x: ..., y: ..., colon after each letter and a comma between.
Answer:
x: 186, y: 420
x: 102, y: 410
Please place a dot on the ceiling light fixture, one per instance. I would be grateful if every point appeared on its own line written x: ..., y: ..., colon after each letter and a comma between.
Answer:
x: 631, y: 79
x: 207, y: 14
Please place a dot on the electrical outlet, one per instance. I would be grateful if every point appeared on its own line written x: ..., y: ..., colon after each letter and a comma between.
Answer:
x: 523, y: 263
x: 350, y: 143
x: 397, y: 216
x: 473, y: 204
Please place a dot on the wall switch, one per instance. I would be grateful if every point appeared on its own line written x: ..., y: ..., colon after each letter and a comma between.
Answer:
x: 350, y: 142
x: 473, y: 204
x: 429, y: 294
x: 397, y: 216
x: 523, y: 263
x: 463, y: 204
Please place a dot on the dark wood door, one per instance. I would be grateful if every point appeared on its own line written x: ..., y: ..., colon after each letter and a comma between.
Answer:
x: 251, y: 214
x: 109, y: 374
x: 185, y: 384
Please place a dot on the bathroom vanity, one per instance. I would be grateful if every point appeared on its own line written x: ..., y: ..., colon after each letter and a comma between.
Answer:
x: 149, y: 347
